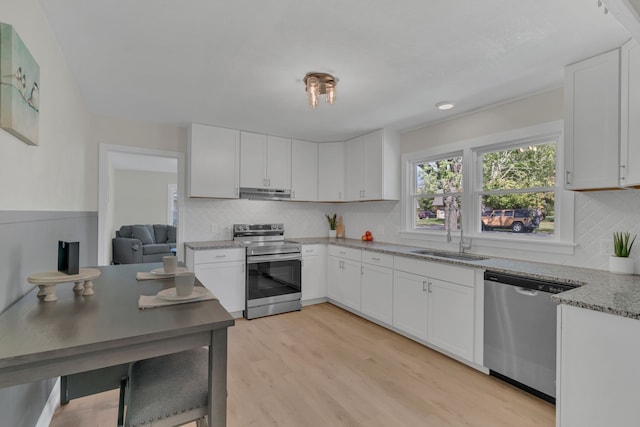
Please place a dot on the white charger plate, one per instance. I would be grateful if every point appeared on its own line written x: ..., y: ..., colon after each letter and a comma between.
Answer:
x: 161, y: 273
x: 171, y: 294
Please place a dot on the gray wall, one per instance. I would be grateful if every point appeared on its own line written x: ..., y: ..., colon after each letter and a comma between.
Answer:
x: 29, y: 244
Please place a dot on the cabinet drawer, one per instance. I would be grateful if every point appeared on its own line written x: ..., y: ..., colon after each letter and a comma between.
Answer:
x: 436, y: 270
x: 347, y: 253
x: 218, y: 255
x: 377, y: 258
x: 311, y: 250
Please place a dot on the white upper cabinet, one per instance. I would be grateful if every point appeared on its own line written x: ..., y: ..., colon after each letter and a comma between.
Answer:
x: 304, y: 171
x: 265, y: 161
x: 592, y: 123
x: 630, y: 112
x: 331, y: 171
x: 213, y: 162
x: 373, y: 167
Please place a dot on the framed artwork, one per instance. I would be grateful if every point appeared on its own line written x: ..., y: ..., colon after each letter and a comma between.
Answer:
x: 19, y: 87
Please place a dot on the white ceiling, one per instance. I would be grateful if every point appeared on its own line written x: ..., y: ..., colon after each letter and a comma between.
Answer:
x: 240, y: 63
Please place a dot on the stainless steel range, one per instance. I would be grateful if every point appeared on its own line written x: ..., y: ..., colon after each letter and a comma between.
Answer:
x: 274, y: 283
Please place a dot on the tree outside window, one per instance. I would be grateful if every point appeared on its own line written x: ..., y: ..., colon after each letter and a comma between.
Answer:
x: 518, y: 189
x: 437, y: 195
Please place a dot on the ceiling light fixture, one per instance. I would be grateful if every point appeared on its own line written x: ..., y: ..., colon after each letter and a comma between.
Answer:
x: 318, y: 84
x: 445, y: 105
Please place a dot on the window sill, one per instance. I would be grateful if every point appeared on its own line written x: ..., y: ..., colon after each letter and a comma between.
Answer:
x: 484, y: 243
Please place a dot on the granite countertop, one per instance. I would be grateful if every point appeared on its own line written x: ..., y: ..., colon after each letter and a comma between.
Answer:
x: 595, y: 289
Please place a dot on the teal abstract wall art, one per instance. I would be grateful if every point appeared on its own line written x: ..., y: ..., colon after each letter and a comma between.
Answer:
x: 19, y: 87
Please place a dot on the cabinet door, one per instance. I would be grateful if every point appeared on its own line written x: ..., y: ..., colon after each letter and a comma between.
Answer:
x: 278, y: 163
x: 304, y: 171
x: 334, y: 278
x: 630, y: 125
x: 253, y: 160
x: 373, y: 168
x: 592, y: 121
x: 313, y: 277
x: 227, y: 282
x: 331, y: 171
x: 355, y: 149
x: 213, y: 162
x: 410, y: 303
x: 450, y: 319
x: 351, y: 283
x: 377, y: 292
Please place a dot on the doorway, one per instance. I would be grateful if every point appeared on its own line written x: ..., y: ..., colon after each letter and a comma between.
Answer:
x: 119, y: 163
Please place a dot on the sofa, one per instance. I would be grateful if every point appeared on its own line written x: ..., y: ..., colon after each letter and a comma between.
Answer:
x: 140, y: 243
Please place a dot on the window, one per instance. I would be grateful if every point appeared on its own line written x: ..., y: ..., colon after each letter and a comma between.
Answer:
x: 517, y: 190
x: 437, y: 191
x: 500, y: 189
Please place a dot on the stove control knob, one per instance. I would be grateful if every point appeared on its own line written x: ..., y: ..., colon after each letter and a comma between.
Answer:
x: 246, y: 228
x: 274, y: 226
x: 280, y: 227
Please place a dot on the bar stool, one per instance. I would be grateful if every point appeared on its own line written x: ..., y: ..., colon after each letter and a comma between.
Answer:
x: 166, y: 391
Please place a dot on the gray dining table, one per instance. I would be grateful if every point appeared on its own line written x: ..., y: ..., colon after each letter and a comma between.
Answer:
x: 75, y: 334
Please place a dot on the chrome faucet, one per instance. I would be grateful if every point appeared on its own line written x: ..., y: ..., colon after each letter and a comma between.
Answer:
x: 463, y: 245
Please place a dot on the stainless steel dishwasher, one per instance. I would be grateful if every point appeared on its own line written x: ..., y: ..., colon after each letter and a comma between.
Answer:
x: 520, y: 331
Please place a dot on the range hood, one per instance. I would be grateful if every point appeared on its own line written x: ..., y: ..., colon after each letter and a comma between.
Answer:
x: 264, y: 194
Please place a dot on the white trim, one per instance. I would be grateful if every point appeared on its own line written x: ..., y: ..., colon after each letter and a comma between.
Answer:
x: 50, y: 407
x: 103, y: 196
x: 563, y: 239
x: 171, y: 188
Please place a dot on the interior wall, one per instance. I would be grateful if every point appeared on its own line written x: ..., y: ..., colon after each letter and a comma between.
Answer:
x: 61, y: 172
x: 140, y: 197
x: 30, y: 245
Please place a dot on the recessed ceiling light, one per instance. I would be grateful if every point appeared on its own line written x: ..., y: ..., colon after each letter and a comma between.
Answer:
x: 445, y: 105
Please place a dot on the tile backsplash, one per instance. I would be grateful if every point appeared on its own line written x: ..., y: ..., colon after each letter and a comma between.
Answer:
x: 597, y: 216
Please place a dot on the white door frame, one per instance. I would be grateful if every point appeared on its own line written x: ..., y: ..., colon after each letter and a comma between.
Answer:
x: 104, y: 241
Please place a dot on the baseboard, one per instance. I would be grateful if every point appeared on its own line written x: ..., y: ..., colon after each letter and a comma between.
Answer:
x: 50, y: 407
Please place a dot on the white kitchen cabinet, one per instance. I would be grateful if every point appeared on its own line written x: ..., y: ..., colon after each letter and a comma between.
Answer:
x: 213, y: 162
x: 222, y: 271
x: 331, y: 172
x: 410, y: 303
x: 450, y: 317
x: 373, y: 171
x: 630, y: 112
x: 442, y: 312
x: 265, y: 161
x: 344, y: 275
x: 377, y: 286
x: 592, y: 123
x: 304, y: 171
x: 598, y: 369
x: 314, y: 270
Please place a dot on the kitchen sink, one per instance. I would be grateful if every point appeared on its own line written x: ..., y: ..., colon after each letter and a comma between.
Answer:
x: 450, y: 255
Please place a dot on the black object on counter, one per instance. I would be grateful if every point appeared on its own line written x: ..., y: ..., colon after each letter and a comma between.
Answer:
x: 68, y: 257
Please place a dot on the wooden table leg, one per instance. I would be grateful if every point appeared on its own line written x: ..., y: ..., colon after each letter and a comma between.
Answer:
x: 218, y: 378
x: 49, y: 292
x: 78, y: 286
x: 88, y: 288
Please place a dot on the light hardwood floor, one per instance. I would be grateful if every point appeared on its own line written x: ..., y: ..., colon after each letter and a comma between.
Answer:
x: 324, y: 366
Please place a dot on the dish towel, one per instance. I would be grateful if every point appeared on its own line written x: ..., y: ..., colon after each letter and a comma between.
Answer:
x: 145, y: 275
x: 153, y: 301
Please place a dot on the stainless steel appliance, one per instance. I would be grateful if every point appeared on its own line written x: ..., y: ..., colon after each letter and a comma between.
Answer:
x: 274, y: 282
x: 520, y: 331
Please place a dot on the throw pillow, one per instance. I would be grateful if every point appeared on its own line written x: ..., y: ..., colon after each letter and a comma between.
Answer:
x: 171, y: 234
x: 160, y: 230
x: 142, y: 233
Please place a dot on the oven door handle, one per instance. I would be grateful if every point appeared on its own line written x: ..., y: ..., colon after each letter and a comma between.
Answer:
x: 270, y: 258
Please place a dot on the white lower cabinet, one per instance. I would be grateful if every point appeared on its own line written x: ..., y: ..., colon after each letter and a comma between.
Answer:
x: 222, y: 271
x: 598, y: 369
x: 313, y: 272
x: 377, y: 286
x: 344, y: 276
x: 410, y: 303
x: 441, y: 312
x: 450, y: 317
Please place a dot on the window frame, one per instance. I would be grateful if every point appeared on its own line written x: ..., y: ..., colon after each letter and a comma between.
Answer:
x: 562, y: 242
